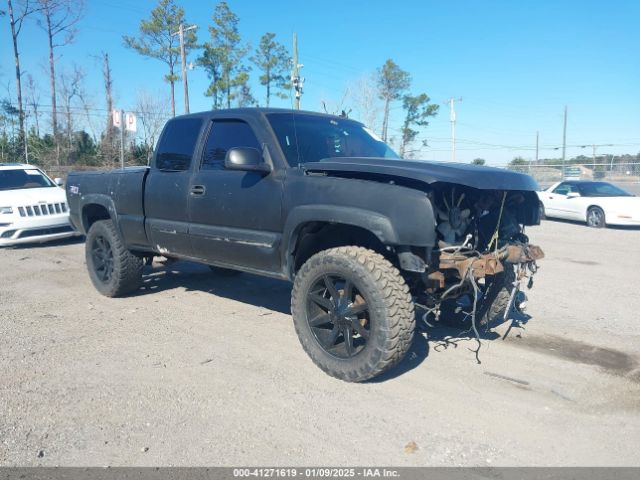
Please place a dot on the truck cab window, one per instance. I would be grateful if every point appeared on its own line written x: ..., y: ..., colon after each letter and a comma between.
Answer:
x: 226, y: 134
x: 177, y: 144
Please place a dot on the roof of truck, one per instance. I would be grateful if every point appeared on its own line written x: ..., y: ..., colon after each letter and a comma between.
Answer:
x: 262, y: 110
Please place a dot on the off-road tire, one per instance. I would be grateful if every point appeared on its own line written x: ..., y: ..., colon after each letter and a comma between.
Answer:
x: 391, y: 311
x: 496, y: 300
x: 224, y: 272
x: 491, y: 308
x: 127, y: 267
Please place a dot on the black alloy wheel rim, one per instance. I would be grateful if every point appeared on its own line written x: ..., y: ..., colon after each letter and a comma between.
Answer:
x: 338, y: 316
x: 102, y: 257
x: 595, y: 218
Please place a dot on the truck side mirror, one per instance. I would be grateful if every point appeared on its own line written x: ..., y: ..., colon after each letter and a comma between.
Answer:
x: 58, y: 181
x: 573, y: 195
x: 247, y: 159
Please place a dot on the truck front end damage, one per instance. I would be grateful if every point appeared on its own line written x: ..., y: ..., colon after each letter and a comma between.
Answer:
x: 474, y: 269
x: 477, y: 273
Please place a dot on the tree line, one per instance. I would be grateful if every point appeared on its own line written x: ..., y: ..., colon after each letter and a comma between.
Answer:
x: 73, y: 127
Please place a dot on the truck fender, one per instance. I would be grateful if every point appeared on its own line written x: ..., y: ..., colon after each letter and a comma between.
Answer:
x: 103, y: 201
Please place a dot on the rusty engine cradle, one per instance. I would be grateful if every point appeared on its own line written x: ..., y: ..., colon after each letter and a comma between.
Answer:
x: 489, y: 263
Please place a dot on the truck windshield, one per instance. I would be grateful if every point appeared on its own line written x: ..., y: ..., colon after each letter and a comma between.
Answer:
x: 310, y: 138
x: 18, y: 179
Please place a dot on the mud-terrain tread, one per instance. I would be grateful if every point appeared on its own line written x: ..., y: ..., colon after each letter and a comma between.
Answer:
x: 490, y: 309
x: 395, y: 299
x: 497, y: 299
x: 127, y: 273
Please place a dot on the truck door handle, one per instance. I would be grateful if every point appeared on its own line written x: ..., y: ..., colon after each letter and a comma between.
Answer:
x: 198, y: 190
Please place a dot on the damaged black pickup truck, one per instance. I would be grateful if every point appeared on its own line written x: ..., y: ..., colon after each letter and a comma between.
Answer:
x: 319, y: 200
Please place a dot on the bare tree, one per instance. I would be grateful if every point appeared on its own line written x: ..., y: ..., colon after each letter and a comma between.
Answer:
x: 107, y: 146
x: 153, y: 111
x: 70, y: 87
x: 108, y: 93
x: 365, y: 100
x: 16, y: 19
x: 337, y: 107
x: 59, y: 20
x: 33, y: 101
x: 87, y: 106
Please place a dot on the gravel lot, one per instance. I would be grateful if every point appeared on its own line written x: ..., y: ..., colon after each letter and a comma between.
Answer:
x: 198, y: 369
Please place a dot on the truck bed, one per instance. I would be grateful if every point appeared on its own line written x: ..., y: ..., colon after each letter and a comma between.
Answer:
x: 120, y: 191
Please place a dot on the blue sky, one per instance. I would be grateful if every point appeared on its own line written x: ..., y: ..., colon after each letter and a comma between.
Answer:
x: 514, y: 63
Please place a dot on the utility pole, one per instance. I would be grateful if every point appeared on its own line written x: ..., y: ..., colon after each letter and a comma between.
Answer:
x: 122, y: 139
x: 296, y: 80
x: 185, y: 84
x: 564, y: 141
x: 452, y: 112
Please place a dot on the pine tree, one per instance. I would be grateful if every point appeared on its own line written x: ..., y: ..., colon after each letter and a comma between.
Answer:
x: 417, y: 111
x: 274, y: 61
x: 393, y: 82
x: 223, y: 57
x: 156, y: 40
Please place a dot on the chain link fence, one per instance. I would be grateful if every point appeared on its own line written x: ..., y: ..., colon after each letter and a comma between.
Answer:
x: 625, y: 175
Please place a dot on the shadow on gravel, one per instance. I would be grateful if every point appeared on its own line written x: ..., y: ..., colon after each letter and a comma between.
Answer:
x: 275, y: 295
x: 417, y: 354
x: 433, y: 340
x: 263, y: 292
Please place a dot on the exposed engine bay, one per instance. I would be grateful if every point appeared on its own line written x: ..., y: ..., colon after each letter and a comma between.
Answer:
x: 483, y: 257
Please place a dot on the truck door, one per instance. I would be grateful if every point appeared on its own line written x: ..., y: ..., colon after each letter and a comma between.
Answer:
x: 166, y: 195
x: 236, y: 216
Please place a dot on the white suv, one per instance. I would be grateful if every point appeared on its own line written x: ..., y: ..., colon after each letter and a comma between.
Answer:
x: 33, y: 208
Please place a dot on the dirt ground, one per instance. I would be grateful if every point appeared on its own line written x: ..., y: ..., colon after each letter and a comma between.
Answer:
x: 198, y: 369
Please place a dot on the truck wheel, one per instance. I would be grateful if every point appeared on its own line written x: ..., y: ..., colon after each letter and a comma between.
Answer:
x: 353, y: 313
x: 113, y: 269
x: 496, y: 300
x: 490, y: 309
